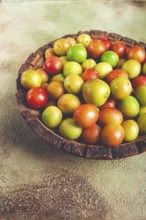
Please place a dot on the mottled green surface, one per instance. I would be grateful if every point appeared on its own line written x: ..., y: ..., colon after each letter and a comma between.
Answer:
x: 37, y: 181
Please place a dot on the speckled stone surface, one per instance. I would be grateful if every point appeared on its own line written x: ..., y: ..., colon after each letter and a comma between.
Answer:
x: 38, y: 182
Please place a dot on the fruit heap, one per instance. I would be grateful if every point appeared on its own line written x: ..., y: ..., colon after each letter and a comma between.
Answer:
x: 90, y: 90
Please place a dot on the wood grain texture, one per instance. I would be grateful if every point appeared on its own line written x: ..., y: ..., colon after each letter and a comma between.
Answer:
x: 36, y: 60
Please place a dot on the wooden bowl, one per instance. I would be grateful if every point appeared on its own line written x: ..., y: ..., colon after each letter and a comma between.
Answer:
x: 32, y: 117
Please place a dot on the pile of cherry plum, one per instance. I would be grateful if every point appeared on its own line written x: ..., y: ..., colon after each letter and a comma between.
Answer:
x: 90, y: 90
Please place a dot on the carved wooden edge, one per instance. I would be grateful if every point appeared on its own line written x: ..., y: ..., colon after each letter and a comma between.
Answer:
x: 32, y: 117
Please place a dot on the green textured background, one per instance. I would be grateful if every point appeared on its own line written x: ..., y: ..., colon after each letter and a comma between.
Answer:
x: 38, y: 182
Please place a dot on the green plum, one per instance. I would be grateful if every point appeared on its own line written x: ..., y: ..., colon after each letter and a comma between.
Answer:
x: 110, y: 57
x: 131, y: 130
x: 70, y: 129
x: 144, y: 69
x: 77, y: 53
x: 61, y: 46
x: 84, y: 39
x: 88, y: 64
x: 129, y: 107
x: 52, y: 116
x: 132, y: 67
x: 121, y: 87
x: 72, y: 67
x: 31, y: 79
x: 96, y: 92
x: 103, y: 69
x: 73, y: 83
x: 142, y: 110
x: 58, y: 77
x: 140, y: 94
x: 142, y: 123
